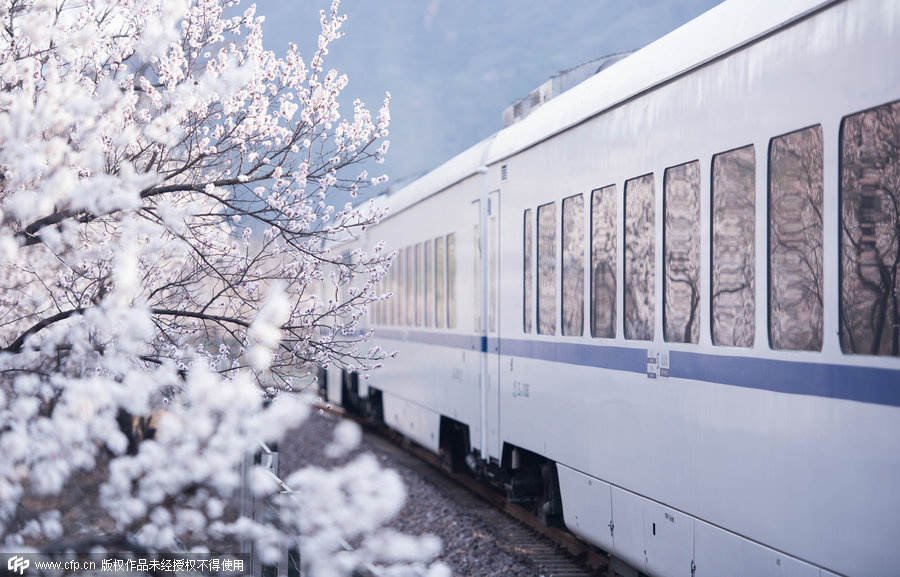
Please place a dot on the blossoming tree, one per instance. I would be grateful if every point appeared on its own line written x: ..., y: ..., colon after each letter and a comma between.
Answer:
x: 164, y: 242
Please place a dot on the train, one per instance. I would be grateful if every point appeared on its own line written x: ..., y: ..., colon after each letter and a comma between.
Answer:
x: 663, y: 308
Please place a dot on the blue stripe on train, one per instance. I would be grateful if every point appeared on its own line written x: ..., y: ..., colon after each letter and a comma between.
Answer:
x: 853, y: 383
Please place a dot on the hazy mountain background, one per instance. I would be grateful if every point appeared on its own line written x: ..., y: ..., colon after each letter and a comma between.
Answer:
x: 452, y: 66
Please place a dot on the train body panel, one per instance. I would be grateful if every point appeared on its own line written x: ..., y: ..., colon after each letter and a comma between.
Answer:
x: 449, y: 359
x: 414, y: 420
x: 722, y: 554
x: 759, y: 463
x: 726, y: 437
x: 456, y: 370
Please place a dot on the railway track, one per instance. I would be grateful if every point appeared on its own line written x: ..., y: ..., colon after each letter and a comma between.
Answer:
x: 554, y: 552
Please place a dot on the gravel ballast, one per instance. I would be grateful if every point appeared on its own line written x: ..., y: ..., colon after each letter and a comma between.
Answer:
x: 472, y: 534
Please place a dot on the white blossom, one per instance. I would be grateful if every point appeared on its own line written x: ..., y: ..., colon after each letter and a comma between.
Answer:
x: 146, y: 287
x: 347, y: 436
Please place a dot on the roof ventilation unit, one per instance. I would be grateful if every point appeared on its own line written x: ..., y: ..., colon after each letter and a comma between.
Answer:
x: 556, y: 85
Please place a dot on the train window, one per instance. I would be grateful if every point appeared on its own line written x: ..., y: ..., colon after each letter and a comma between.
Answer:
x: 795, y: 240
x: 379, y: 304
x: 384, y: 288
x: 396, y: 269
x: 493, y: 257
x: 440, y: 269
x: 476, y: 262
x: 420, y: 286
x: 373, y: 306
x: 389, y: 303
x: 870, y: 231
x: 410, y: 300
x: 681, y: 253
x: 546, y: 268
x: 527, y: 318
x: 573, y: 265
x: 385, y: 304
x: 603, y: 262
x: 401, y: 287
x: 392, y: 288
x: 451, y: 281
x: 733, y: 247
x: 428, y: 263
x: 410, y: 287
x: 640, y: 247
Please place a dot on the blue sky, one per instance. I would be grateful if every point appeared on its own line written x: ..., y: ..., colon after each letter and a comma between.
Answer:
x: 452, y: 66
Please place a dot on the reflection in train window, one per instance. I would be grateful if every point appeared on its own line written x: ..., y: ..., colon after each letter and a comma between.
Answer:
x: 428, y: 263
x: 603, y: 262
x: 733, y: 247
x: 681, y: 253
x: 420, y: 288
x: 493, y: 263
x: 440, y: 273
x: 451, y: 281
x: 410, y: 286
x: 640, y: 241
x: 386, y: 303
x: 526, y: 274
x: 573, y: 266
x: 795, y: 241
x: 397, y: 298
x: 381, y: 305
x: 870, y: 231
x: 375, y: 307
x: 476, y: 263
x: 546, y: 254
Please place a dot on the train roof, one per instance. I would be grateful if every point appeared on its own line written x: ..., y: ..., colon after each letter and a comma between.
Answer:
x: 446, y: 175
x: 723, y: 29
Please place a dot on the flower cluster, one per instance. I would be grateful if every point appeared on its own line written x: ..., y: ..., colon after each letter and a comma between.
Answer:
x: 166, y: 245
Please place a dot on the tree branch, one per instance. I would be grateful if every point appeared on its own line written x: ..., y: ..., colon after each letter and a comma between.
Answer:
x: 16, y: 345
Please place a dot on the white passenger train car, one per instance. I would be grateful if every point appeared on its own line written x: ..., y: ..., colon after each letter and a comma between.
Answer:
x: 677, y: 285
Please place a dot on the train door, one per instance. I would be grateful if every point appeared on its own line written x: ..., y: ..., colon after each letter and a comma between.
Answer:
x: 478, y: 307
x: 492, y: 350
